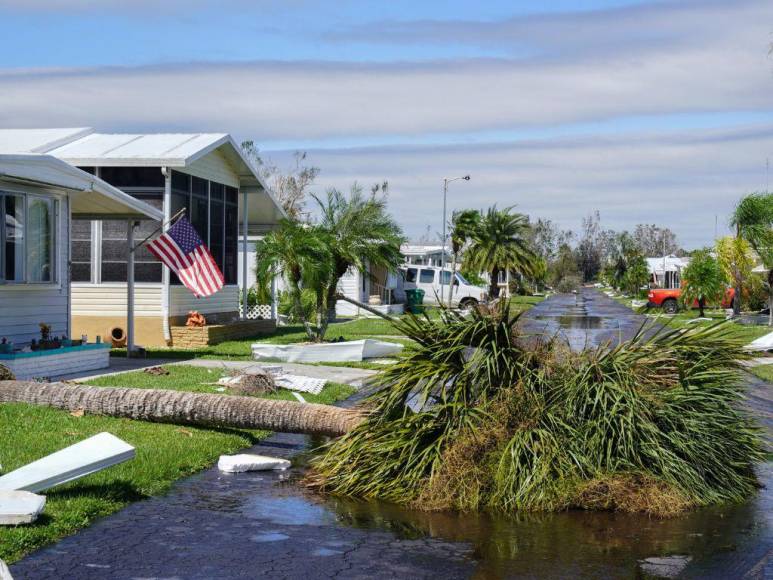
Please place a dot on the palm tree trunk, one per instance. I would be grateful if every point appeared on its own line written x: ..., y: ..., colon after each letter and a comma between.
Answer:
x: 770, y: 297
x: 186, y: 408
x: 493, y: 285
x: 701, y: 304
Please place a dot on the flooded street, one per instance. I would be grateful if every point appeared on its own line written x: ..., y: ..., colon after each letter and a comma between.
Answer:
x: 252, y: 525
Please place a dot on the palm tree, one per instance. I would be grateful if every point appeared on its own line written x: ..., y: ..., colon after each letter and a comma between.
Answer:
x: 464, y: 223
x: 753, y: 219
x: 181, y: 407
x: 360, y: 234
x: 298, y: 252
x: 501, y: 244
x: 703, y: 280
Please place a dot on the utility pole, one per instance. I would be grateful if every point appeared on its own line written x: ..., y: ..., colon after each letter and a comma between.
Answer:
x: 446, y: 181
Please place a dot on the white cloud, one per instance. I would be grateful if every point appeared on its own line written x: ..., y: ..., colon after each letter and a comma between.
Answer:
x: 678, y: 180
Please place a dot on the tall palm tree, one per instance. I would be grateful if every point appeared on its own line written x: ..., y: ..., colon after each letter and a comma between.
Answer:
x: 464, y: 223
x: 300, y: 253
x: 182, y: 407
x: 501, y: 244
x: 360, y: 234
x: 753, y: 219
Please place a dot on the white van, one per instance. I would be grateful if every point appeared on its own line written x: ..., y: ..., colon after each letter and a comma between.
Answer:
x: 430, y: 278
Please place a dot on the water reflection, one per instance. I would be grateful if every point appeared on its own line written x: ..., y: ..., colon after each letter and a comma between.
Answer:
x: 710, y: 542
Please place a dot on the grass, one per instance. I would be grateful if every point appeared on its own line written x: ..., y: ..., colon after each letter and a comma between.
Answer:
x: 765, y: 372
x: 165, y: 453
x: 352, y: 329
x: 745, y: 333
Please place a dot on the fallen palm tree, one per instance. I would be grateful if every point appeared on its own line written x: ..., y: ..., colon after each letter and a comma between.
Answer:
x: 477, y: 416
x: 186, y: 408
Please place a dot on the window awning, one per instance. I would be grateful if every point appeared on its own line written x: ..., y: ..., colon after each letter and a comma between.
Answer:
x: 90, y: 197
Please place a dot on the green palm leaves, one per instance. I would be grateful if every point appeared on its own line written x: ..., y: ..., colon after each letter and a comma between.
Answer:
x: 478, y: 416
x: 500, y: 243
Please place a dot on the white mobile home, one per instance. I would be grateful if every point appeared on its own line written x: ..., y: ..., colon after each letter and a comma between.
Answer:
x: 39, y: 195
x: 204, y: 173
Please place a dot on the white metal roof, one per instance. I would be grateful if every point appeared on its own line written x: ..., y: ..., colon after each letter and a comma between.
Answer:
x: 419, y: 249
x: 89, y: 196
x: 84, y: 147
x: 672, y: 264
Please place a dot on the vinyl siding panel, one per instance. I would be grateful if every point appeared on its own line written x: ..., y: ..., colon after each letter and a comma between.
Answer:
x: 23, y: 307
x: 215, y: 167
x: 110, y: 300
x: 182, y: 301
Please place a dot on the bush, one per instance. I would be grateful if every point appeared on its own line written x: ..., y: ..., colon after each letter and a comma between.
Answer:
x: 755, y: 293
x: 308, y: 303
x: 569, y: 284
x: 500, y: 422
x: 6, y: 374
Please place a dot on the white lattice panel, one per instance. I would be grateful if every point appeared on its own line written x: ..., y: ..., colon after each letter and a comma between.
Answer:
x: 259, y: 312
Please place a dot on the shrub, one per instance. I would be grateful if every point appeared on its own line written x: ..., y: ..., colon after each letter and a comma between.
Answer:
x: 308, y: 303
x: 568, y: 284
x: 477, y: 416
x: 6, y: 374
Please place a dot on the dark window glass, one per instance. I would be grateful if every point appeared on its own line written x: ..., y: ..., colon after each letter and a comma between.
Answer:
x: 231, y: 195
x: 91, y: 170
x: 199, y: 186
x: 230, y: 266
x: 133, y: 176
x: 81, y: 254
x: 147, y: 271
x: 410, y: 275
x: 216, y: 232
x: 216, y: 190
x: 181, y: 181
x: 13, y: 212
x: 445, y: 277
x: 426, y: 276
x: 199, y: 217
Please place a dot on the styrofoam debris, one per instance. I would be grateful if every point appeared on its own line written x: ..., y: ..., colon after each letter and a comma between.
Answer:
x: 20, y: 507
x: 298, y: 383
x: 84, y: 458
x: 299, y: 397
x: 249, y: 462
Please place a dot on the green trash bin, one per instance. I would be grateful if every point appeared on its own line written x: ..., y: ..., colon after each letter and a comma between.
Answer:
x: 414, y: 299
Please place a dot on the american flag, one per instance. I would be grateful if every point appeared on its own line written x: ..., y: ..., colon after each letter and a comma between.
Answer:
x: 181, y: 248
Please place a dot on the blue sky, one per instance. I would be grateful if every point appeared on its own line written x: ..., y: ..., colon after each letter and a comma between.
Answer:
x: 648, y: 111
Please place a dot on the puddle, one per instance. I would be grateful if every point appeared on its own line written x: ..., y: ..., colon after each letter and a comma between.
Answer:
x: 269, y: 537
x: 288, y: 511
x: 581, y: 322
x: 326, y: 552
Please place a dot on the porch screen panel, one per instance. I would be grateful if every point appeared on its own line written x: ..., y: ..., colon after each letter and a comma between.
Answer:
x: 217, y: 223
x: 230, y: 265
x: 80, y: 243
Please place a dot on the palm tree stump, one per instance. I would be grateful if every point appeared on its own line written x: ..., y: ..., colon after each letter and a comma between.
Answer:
x: 186, y: 408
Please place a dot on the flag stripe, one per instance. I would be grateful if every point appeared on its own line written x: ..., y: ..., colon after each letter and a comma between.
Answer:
x: 182, y: 250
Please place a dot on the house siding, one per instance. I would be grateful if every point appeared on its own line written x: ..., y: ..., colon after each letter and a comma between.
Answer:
x: 182, y: 301
x: 110, y: 299
x: 24, y: 306
x: 215, y: 167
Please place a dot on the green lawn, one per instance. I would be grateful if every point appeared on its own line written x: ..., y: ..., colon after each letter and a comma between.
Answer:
x: 353, y: 329
x: 683, y: 318
x: 165, y: 453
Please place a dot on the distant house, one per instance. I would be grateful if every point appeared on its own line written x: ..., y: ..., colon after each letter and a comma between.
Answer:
x: 425, y: 254
x: 204, y: 173
x: 666, y: 271
x: 39, y: 195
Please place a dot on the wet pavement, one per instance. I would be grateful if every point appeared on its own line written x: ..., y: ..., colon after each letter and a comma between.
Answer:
x: 587, y: 319
x: 263, y: 524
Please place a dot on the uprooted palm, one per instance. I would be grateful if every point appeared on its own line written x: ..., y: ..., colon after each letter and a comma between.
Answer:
x: 500, y: 421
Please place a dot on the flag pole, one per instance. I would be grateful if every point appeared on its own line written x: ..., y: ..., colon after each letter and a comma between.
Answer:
x: 159, y: 228
x: 130, y: 278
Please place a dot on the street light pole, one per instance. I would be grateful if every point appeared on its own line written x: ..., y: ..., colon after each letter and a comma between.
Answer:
x: 446, y: 181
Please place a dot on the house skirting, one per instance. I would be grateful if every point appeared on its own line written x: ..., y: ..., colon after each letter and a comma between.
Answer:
x: 148, y: 330
x: 61, y: 361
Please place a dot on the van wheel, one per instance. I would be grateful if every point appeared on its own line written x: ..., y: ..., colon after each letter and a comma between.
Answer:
x: 468, y: 303
x: 670, y: 306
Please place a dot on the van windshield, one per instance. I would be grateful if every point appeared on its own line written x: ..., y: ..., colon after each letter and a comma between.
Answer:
x: 462, y: 279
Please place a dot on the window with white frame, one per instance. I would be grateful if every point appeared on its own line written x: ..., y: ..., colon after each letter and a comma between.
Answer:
x: 27, y: 238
